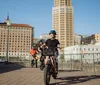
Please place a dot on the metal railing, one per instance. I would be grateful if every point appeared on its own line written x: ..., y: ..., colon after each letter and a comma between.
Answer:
x: 23, y: 60
x: 83, y: 62
x: 86, y: 62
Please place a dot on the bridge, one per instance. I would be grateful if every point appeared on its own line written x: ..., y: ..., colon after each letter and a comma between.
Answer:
x: 16, y: 74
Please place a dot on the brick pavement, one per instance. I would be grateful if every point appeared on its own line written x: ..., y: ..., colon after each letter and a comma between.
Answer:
x: 33, y: 76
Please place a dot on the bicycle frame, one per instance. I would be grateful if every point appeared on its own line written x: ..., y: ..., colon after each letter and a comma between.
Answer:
x: 51, y: 61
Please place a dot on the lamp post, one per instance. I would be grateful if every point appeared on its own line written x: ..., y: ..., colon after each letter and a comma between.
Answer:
x: 7, y: 42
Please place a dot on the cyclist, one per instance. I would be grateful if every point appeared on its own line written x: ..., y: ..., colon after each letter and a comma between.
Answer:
x: 52, y: 43
x: 40, y: 48
x: 33, y: 53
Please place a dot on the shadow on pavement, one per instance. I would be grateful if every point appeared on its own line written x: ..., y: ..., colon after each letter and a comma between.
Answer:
x: 75, y: 79
x: 6, y: 67
x: 68, y: 70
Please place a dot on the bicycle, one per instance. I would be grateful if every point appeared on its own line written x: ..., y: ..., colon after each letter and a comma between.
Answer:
x: 42, y: 58
x: 50, y: 66
x: 42, y: 64
x: 34, y: 62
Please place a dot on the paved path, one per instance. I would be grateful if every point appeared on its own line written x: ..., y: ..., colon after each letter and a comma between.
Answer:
x: 33, y: 76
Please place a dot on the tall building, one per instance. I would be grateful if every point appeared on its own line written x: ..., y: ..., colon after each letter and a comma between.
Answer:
x: 63, y: 22
x: 20, y: 39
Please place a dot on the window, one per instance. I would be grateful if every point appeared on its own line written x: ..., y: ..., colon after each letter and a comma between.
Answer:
x: 84, y: 49
x: 97, y: 49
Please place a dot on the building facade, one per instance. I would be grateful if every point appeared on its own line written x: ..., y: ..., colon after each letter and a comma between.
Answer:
x: 97, y: 44
x: 20, y: 39
x: 79, y: 39
x: 62, y: 16
x: 86, y: 52
x: 95, y: 38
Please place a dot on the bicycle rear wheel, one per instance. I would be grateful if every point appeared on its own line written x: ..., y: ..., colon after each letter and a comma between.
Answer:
x: 54, y: 75
x: 36, y: 63
x: 32, y: 63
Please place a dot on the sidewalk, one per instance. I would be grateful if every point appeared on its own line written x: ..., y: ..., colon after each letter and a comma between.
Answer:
x: 33, y: 76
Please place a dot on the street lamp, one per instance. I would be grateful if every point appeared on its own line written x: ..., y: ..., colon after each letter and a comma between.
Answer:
x: 7, y: 42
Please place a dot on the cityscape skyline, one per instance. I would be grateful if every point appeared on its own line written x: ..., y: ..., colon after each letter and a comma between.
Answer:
x: 86, y: 15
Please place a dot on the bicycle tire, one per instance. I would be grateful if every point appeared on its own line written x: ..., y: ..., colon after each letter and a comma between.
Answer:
x: 47, y: 75
x: 36, y: 63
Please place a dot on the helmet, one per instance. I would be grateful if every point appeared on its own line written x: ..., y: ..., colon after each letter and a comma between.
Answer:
x: 41, y: 41
x: 52, y: 32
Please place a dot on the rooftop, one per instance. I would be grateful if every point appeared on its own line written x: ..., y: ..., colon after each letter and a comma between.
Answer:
x: 17, y: 25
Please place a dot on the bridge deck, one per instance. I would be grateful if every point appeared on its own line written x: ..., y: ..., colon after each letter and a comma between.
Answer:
x: 19, y: 75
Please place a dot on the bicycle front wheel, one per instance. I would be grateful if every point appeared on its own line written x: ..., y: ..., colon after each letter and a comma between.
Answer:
x: 47, y: 74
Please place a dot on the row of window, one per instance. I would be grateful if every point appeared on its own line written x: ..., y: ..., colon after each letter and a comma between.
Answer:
x: 67, y: 12
x: 14, y: 54
x: 62, y: 3
x: 14, y: 32
x: 25, y: 36
x: 22, y: 28
x: 89, y: 49
x: 62, y: 19
x: 15, y: 50
x: 16, y: 42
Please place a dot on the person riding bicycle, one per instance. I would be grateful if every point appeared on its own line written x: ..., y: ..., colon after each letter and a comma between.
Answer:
x: 53, y: 44
x: 40, y: 48
x: 33, y: 53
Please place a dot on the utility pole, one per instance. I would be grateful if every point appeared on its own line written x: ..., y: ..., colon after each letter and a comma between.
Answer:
x: 7, y: 42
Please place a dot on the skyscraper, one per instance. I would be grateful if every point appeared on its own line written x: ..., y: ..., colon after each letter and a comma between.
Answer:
x: 63, y: 22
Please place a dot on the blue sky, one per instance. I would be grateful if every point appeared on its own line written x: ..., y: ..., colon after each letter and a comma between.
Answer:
x: 38, y: 13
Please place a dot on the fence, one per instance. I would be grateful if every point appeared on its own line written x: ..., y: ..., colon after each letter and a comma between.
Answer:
x: 23, y: 60
x: 86, y: 62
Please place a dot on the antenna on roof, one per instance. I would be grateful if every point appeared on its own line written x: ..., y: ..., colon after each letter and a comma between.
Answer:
x: 7, y: 20
x: 7, y: 15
